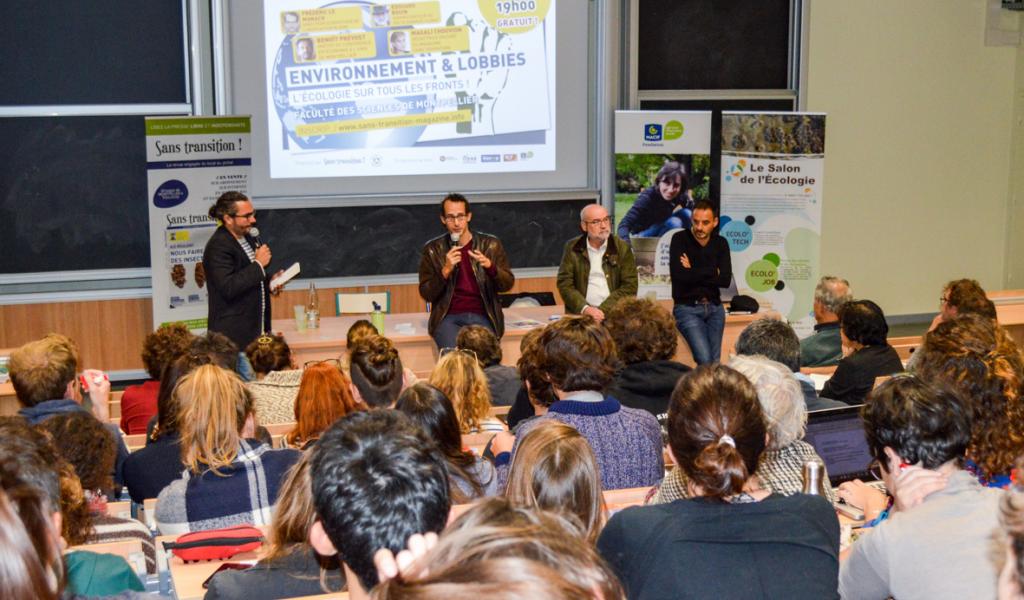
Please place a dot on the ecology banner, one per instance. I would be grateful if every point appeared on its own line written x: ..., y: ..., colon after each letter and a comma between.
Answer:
x: 190, y: 161
x: 773, y: 166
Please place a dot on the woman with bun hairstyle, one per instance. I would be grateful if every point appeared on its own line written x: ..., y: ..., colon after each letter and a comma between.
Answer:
x: 276, y: 380
x: 471, y: 476
x: 555, y: 469
x: 376, y: 371
x: 732, y: 538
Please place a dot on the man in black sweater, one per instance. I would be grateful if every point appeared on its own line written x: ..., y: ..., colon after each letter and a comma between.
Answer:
x: 700, y: 264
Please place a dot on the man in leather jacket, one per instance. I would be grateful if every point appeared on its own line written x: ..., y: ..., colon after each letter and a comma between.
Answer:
x: 461, y: 274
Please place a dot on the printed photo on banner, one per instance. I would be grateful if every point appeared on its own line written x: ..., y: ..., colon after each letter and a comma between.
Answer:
x: 772, y: 170
x: 654, y: 198
x: 395, y: 88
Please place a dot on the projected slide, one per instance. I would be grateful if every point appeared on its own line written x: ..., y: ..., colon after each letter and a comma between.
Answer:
x: 434, y: 87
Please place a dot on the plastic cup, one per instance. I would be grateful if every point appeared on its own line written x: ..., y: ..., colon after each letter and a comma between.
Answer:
x: 300, y: 317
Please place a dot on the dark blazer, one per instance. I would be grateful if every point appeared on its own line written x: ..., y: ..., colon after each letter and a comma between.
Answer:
x: 234, y: 284
x: 855, y: 375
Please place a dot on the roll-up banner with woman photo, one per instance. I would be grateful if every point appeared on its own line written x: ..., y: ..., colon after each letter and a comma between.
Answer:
x: 662, y: 166
x: 190, y: 161
x: 773, y: 165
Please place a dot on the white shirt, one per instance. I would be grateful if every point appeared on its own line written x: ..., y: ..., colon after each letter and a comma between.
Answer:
x: 597, y: 285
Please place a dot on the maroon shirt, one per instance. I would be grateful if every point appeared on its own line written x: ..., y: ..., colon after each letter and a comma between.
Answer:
x: 138, y: 405
x: 467, y: 298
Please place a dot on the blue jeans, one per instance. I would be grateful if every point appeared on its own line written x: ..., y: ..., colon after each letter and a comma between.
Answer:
x: 679, y: 219
x: 448, y: 329
x: 702, y: 326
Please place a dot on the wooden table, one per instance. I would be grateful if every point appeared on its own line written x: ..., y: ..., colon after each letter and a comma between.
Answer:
x: 409, y: 333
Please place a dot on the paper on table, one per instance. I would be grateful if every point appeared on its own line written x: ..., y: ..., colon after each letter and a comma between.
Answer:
x: 285, y: 277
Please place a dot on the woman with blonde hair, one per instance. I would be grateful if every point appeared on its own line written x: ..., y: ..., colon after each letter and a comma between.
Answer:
x: 459, y: 376
x: 229, y: 479
x: 325, y: 395
x: 504, y: 552
x: 555, y: 469
x: 291, y: 567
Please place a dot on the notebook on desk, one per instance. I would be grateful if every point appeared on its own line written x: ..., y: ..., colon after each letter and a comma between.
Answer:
x: 837, y: 435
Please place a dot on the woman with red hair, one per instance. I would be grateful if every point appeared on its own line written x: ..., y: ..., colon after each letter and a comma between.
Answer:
x: 325, y: 395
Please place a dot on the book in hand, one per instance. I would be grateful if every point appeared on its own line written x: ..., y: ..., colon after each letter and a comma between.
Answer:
x: 285, y: 277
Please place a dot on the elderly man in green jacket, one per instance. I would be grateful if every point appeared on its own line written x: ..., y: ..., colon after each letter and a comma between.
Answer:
x: 598, y: 269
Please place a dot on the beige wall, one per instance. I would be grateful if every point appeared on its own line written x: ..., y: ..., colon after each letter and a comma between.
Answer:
x: 1015, y: 210
x: 918, y: 166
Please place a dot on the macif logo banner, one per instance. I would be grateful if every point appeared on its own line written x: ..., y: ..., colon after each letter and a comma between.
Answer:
x: 668, y: 132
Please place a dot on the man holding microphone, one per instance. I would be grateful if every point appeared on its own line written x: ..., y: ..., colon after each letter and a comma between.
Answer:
x: 461, y: 274
x: 235, y: 261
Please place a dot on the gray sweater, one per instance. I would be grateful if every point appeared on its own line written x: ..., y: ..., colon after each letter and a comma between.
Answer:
x: 939, y: 549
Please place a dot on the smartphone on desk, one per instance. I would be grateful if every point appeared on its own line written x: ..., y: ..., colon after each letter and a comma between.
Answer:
x: 226, y: 567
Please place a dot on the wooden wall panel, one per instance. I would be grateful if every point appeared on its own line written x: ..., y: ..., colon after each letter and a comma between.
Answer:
x: 109, y: 333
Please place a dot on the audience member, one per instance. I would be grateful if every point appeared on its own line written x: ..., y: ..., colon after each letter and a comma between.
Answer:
x: 555, y: 469
x: 535, y: 394
x: 471, y: 476
x: 733, y: 539
x: 89, y: 447
x: 160, y: 348
x: 376, y: 372
x: 938, y: 546
x: 44, y: 376
x: 1010, y: 585
x: 149, y: 470
x: 824, y: 347
x: 325, y: 395
x: 30, y: 566
x: 577, y: 356
x: 27, y: 456
x: 645, y: 336
x: 502, y: 381
x: 228, y: 480
x: 983, y: 364
x: 500, y: 551
x: 775, y: 340
x: 361, y: 330
x: 291, y: 567
x: 963, y: 297
x: 866, y: 353
x: 376, y: 479
x: 459, y: 376
x: 781, y: 467
x: 276, y: 379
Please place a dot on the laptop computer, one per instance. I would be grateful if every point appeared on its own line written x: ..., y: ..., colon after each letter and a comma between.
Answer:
x: 837, y: 435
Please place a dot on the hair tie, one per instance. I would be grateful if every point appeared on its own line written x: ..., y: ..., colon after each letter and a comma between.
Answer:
x: 264, y: 341
x: 726, y: 439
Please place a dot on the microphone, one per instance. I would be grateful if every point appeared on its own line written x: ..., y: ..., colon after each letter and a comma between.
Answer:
x: 455, y: 238
x: 255, y: 233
